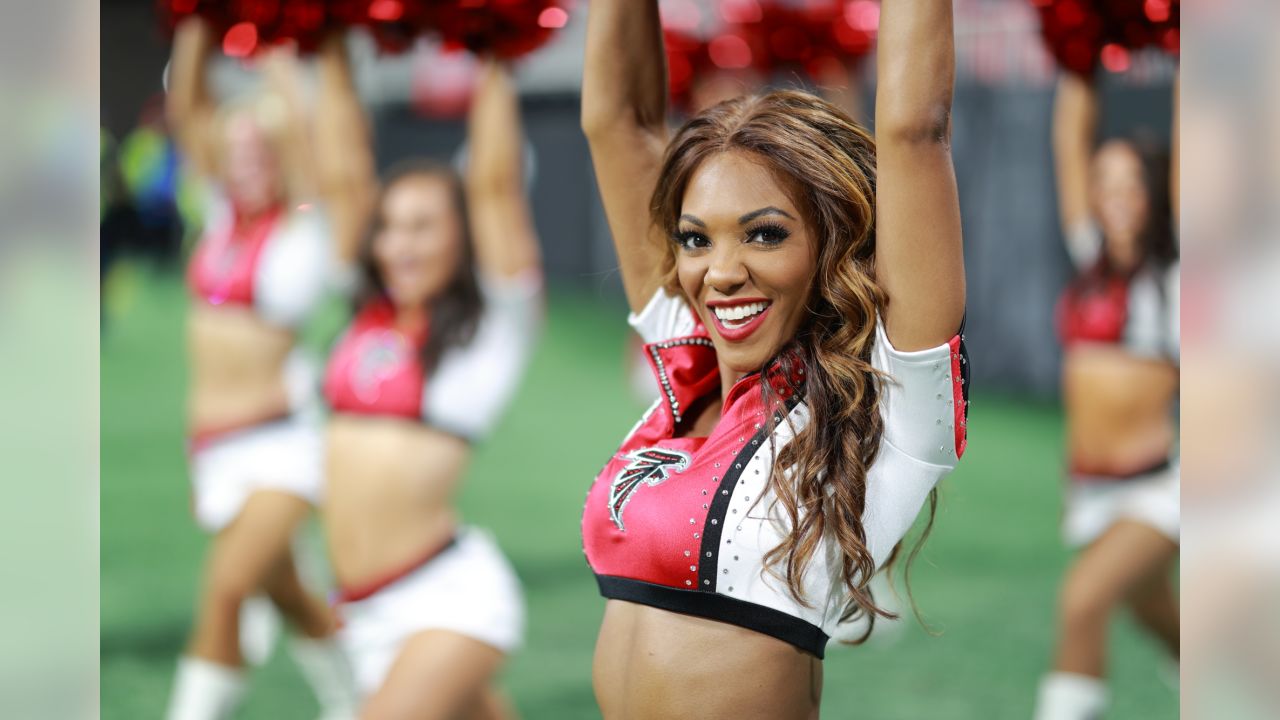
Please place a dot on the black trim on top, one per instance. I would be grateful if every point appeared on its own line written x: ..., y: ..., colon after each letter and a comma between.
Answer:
x: 713, y: 527
x: 788, y: 628
x: 964, y: 366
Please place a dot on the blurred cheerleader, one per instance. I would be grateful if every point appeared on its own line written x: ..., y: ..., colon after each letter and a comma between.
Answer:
x: 800, y: 288
x: 257, y: 273
x: 1119, y: 325
x: 445, y: 327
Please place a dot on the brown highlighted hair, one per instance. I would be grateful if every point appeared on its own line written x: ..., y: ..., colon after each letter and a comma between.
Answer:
x: 820, y: 477
x: 455, y: 311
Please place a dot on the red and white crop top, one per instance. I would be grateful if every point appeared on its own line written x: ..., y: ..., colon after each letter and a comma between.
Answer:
x: 1139, y: 313
x: 683, y: 523
x: 278, y: 264
x: 374, y: 367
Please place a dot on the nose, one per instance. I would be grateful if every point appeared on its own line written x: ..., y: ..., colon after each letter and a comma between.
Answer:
x: 726, y: 272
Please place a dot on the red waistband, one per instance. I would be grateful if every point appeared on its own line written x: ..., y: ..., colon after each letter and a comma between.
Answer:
x: 366, y: 590
x: 1082, y: 474
x: 201, y: 439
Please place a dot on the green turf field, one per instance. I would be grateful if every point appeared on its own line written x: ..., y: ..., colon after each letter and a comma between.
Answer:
x: 985, y: 583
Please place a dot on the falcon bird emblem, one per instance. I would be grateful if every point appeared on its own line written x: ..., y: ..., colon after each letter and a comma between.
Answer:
x: 648, y: 466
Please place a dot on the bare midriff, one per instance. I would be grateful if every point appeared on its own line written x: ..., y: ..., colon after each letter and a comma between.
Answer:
x: 652, y: 664
x: 237, y: 368
x: 1119, y: 410
x: 389, y: 497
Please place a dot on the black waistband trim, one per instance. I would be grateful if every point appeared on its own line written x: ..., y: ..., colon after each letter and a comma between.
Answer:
x: 1154, y: 468
x: 774, y: 623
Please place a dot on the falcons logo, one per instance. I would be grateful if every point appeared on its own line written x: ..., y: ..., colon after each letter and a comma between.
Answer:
x: 647, y: 467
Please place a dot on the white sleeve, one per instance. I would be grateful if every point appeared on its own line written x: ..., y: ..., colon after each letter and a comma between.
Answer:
x: 665, y: 317
x: 1084, y: 244
x: 922, y: 401
x: 472, y: 384
x: 296, y: 268
x: 923, y: 407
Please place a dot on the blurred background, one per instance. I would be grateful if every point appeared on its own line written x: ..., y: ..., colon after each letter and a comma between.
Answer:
x: 987, y: 582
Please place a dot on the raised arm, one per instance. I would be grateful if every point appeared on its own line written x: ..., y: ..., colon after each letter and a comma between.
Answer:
x: 345, y: 176
x: 624, y: 115
x: 1175, y: 172
x: 285, y: 97
x: 497, y: 202
x: 188, y: 104
x: 919, y: 253
x: 1075, y: 125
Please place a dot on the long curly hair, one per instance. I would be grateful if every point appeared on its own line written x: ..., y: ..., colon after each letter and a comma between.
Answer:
x: 819, y: 478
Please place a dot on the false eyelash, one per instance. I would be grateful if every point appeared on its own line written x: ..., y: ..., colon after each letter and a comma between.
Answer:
x: 682, y: 237
x: 777, y: 231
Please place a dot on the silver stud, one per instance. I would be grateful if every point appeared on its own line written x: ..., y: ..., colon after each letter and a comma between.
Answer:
x: 695, y: 536
x: 746, y: 498
x: 726, y: 542
x: 939, y: 396
x: 739, y: 528
x: 693, y: 568
x: 688, y: 582
x: 730, y: 588
x: 706, y: 582
x: 715, y: 478
x: 939, y: 421
x: 724, y: 492
x: 686, y: 553
x: 708, y: 553
x: 704, y: 492
x: 692, y: 521
x: 735, y: 511
x: 718, y: 464
x: 704, y: 506
x: 725, y: 571
x: 735, y: 557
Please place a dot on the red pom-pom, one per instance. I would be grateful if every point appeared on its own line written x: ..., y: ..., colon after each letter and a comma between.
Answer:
x: 1080, y: 34
x: 505, y: 28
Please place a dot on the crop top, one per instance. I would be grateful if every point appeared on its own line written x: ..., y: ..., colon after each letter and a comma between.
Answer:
x: 1139, y: 313
x: 683, y: 523
x: 374, y: 367
x: 278, y: 264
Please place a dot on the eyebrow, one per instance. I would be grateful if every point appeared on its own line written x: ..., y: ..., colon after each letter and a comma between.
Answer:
x: 743, y: 219
x: 771, y: 210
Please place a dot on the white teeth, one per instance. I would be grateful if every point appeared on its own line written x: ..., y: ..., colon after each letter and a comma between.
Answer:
x: 739, y: 313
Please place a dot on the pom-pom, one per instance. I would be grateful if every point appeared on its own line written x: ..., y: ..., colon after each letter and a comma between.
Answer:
x: 1080, y: 34
x: 505, y: 28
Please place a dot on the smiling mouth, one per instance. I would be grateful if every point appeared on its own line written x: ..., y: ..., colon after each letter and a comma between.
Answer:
x: 737, y: 322
x: 739, y: 315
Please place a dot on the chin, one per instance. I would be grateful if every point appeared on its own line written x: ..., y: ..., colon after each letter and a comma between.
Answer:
x: 743, y: 360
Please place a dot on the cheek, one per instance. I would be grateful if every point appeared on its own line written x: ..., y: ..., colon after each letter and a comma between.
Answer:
x: 792, y: 275
x: 689, y: 275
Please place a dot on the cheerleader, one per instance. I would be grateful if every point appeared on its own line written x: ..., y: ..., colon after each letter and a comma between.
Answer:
x: 1118, y: 320
x: 256, y: 274
x: 801, y: 291
x: 452, y: 309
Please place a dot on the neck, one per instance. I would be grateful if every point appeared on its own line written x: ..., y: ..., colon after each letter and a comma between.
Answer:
x: 411, y: 318
x: 728, y: 378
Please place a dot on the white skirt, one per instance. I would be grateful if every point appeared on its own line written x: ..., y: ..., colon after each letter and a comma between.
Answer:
x: 286, y: 455
x: 469, y: 589
x: 1095, y: 504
